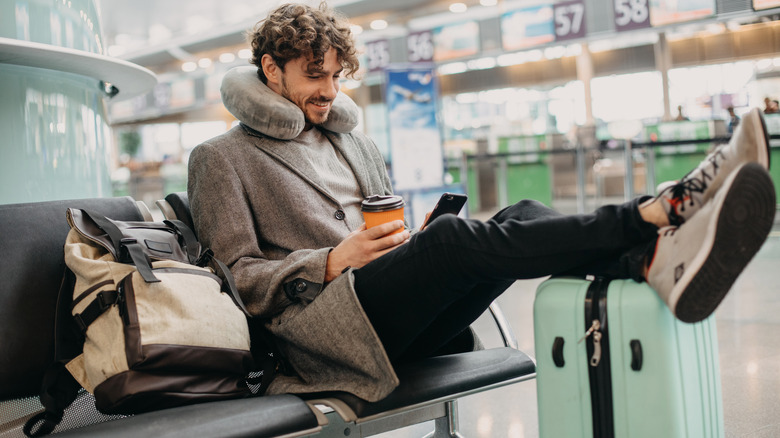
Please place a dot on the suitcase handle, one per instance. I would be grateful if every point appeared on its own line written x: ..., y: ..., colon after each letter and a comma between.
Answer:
x: 557, y: 352
x: 636, y: 354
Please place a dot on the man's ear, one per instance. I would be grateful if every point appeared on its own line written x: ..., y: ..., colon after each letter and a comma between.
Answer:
x: 271, y: 70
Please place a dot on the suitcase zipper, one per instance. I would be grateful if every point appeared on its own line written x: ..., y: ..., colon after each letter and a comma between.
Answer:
x: 594, y: 330
x: 597, y: 336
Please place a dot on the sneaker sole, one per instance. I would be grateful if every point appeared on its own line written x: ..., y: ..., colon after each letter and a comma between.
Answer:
x: 742, y: 224
x: 763, y: 153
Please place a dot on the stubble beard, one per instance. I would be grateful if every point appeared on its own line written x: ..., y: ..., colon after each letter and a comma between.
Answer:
x: 314, y: 119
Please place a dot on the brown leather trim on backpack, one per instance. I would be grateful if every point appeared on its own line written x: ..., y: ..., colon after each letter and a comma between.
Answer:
x: 144, y: 392
x: 132, y: 329
x: 174, y: 358
x: 189, y: 272
x: 89, y: 291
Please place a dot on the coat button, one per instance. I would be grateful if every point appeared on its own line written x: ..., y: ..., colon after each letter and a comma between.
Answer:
x: 340, y: 215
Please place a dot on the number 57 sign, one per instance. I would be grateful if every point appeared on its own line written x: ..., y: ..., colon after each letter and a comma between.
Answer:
x: 569, y: 20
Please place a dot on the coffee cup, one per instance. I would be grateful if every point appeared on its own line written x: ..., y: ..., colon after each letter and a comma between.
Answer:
x: 380, y: 209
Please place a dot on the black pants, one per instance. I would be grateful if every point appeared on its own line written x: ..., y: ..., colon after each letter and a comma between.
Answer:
x: 422, y: 294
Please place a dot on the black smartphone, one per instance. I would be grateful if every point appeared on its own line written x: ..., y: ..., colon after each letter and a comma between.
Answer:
x: 449, y: 203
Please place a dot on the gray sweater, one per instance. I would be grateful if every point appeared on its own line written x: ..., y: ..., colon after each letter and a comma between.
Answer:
x: 334, y: 171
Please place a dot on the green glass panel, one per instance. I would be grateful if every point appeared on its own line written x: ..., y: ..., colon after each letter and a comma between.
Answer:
x: 64, y: 23
x: 674, y: 167
x: 55, y: 136
x: 529, y: 181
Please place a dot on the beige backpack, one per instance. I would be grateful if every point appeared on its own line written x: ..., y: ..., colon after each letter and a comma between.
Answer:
x: 159, y: 328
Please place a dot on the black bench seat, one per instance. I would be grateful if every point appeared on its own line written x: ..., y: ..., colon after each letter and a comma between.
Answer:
x: 31, y: 242
x: 278, y: 415
x: 442, y: 378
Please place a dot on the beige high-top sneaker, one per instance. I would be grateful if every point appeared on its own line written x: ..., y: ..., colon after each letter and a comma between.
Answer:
x: 750, y: 143
x: 696, y: 263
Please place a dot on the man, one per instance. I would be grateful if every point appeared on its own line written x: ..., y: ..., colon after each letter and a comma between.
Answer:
x: 277, y: 198
x: 770, y: 106
x: 680, y: 116
x: 733, y: 120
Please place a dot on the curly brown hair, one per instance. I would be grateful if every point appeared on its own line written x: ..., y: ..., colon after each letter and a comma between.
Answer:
x: 296, y: 30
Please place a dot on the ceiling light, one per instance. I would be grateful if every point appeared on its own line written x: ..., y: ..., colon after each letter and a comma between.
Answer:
x: 244, y: 53
x: 554, y: 52
x: 733, y: 25
x: 204, y: 62
x: 189, y: 66
x: 488, y: 2
x: 573, y: 50
x: 158, y: 33
x: 534, y: 55
x: 356, y: 30
x: 379, y: 24
x: 458, y: 8
x: 508, y: 59
x: 481, y: 63
x: 453, y: 68
x: 467, y: 98
x: 227, y: 58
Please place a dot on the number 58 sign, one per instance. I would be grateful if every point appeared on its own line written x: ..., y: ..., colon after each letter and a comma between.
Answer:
x: 631, y: 14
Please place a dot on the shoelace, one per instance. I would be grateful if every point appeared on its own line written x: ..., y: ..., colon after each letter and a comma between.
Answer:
x: 685, y: 190
x: 679, y: 193
x: 688, y: 185
x: 714, y: 159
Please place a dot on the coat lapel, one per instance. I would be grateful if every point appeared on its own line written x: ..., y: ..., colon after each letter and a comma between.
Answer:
x: 290, y: 157
x: 297, y: 163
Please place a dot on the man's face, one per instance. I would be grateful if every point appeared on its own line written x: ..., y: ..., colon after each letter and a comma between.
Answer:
x: 311, y: 86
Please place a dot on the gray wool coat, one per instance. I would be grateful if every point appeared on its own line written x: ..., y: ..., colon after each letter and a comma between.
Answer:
x: 263, y: 211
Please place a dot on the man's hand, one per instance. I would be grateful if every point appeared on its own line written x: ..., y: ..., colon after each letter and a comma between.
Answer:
x: 425, y: 222
x: 364, y: 245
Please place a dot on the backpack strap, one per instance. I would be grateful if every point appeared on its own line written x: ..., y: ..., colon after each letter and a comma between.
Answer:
x: 232, y: 285
x: 140, y: 259
x: 208, y: 257
x: 191, y: 244
x: 59, y: 389
x: 102, y: 302
x: 265, y: 355
x: 133, y: 249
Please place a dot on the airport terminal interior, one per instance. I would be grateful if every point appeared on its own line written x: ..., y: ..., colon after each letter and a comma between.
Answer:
x: 577, y: 104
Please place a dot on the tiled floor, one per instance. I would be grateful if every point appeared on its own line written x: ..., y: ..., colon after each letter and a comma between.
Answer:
x: 748, y: 323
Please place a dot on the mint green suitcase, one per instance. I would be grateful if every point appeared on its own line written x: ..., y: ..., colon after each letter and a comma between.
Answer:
x: 639, y: 373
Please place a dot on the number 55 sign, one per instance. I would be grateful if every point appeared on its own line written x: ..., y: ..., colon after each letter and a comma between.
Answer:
x: 569, y: 20
x: 631, y: 14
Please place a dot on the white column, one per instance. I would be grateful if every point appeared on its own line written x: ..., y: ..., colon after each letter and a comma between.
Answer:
x: 663, y: 61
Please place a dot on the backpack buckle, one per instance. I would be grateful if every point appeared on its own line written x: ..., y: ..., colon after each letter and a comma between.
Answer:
x: 105, y: 300
x: 100, y: 304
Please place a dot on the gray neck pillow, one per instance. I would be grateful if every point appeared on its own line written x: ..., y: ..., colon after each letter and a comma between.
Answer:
x: 260, y: 108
